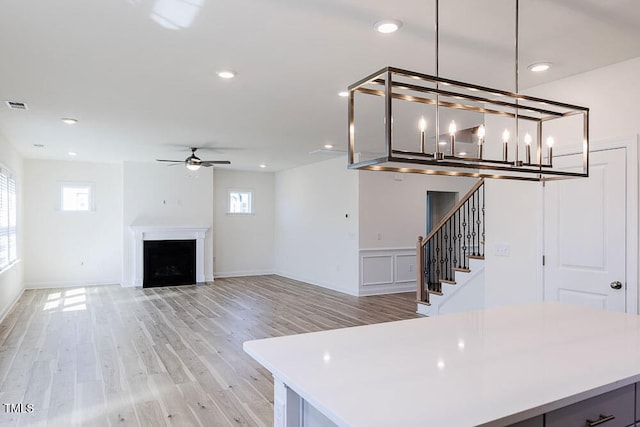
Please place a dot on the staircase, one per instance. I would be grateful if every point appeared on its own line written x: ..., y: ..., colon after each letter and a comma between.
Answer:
x: 451, y: 257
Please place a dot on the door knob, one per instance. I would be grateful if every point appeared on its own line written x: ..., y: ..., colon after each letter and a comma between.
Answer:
x: 616, y: 285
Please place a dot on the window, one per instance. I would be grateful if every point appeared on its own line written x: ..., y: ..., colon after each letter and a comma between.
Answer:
x: 76, y: 197
x: 240, y: 202
x: 8, y: 227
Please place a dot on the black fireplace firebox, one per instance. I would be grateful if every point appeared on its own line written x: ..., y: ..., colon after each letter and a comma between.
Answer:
x: 169, y: 263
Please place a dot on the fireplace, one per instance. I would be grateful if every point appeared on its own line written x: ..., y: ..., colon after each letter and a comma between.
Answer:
x: 169, y: 262
x: 146, y: 236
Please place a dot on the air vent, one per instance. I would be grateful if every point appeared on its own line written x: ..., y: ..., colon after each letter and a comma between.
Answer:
x: 15, y: 105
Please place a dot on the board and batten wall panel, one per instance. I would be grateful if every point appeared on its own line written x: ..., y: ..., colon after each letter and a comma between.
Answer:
x: 158, y: 195
x: 316, y: 225
x: 12, y: 279
x: 244, y: 244
x: 71, y: 248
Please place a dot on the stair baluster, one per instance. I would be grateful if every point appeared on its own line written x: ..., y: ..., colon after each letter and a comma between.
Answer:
x: 458, y: 236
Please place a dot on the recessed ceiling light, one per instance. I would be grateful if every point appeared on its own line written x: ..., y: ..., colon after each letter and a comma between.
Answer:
x: 539, y: 67
x: 387, y: 26
x: 343, y: 94
x: 328, y: 146
x: 38, y: 145
x: 72, y: 153
x: 69, y: 121
x: 226, y: 74
x: 263, y: 166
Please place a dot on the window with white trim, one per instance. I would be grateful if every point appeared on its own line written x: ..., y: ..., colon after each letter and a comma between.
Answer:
x: 76, y: 197
x: 240, y: 202
x: 8, y: 219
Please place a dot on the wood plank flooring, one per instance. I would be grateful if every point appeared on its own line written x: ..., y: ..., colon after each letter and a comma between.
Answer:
x: 106, y: 355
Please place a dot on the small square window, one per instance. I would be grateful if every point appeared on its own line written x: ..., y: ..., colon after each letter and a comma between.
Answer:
x: 240, y: 202
x: 76, y: 197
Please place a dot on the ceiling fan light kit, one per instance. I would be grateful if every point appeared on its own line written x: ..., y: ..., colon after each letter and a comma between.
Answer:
x: 193, y: 162
x: 429, y: 122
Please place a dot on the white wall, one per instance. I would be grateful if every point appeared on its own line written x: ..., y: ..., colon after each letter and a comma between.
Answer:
x: 244, y: 244
x: 71, y: 248
x: 156, y: 194
x: 393, y: 213
x: 12, y: 280
x: 316, y: 226
x: 513, y: 218
x: 514, y: 209
x: 393, y: 206
x: 611, y: 94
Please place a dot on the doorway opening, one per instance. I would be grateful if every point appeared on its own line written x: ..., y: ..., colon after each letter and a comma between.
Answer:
x: 439, y: 203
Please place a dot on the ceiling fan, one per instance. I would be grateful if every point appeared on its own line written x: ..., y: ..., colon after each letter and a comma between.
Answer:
x: 194, y: 162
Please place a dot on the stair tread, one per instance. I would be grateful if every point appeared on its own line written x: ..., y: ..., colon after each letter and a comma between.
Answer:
x: 423, y: 302
x: 475, y: 256
x: 435, y: 293
x: 449, y: 282
x: 462, y: 270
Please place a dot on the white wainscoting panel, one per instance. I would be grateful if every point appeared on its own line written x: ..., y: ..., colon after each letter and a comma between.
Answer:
x: 405, y: 268
x: 387, y: 271
x: 377, y: 269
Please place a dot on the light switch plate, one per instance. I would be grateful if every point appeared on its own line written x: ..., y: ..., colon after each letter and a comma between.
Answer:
x: 502, y: 249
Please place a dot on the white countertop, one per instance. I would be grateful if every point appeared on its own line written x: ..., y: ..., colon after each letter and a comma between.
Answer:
x: 484, y: 367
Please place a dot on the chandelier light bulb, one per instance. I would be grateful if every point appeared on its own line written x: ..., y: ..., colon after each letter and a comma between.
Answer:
x: 527, y: 141
x: 422, y: 124
x: 481, y: 132
x: 452, y: 127
x: 506, y: 135
x: 550, y: 149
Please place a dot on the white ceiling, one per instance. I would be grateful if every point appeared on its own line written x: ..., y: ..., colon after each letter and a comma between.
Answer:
x: 141, y: 91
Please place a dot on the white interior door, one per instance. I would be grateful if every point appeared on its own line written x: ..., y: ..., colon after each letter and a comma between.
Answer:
x: 585, y: 229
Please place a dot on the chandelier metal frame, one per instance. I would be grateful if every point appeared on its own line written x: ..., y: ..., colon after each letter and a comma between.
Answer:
x: 392, y: 83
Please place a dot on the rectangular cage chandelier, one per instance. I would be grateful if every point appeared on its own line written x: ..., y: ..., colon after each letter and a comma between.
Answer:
x: 404, y: 121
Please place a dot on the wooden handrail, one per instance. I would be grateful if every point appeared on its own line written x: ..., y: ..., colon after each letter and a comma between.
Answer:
x: 452, y: 212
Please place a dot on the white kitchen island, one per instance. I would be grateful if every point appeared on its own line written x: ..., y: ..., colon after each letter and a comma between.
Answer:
x: 492, y: 367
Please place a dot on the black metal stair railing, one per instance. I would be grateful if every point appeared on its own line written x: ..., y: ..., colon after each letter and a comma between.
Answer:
x: 448, y: 247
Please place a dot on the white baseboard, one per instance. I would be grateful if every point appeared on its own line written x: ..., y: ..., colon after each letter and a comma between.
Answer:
x: 10, y: 306
x: 387, y: 289
x: 70, y: 284
x: 313, y: 282
x: 222, y: 274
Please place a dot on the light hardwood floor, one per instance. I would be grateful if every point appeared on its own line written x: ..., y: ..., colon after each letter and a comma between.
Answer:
x: 107, y: 355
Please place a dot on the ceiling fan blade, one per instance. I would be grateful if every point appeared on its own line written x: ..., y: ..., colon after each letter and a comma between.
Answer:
x: 172, y: 161
x: 214, y: 162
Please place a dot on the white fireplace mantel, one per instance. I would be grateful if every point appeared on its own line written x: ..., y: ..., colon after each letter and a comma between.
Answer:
x: 142, y: 233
